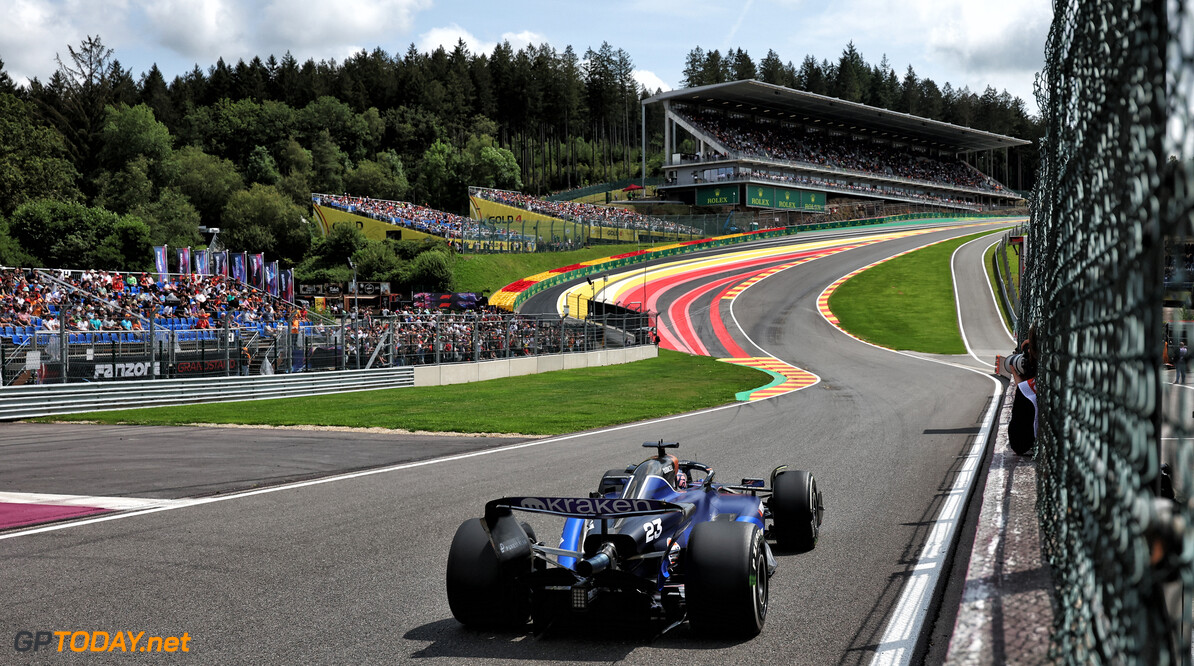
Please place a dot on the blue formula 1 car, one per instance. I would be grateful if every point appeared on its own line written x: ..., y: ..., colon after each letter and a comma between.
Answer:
x: 658, y: 543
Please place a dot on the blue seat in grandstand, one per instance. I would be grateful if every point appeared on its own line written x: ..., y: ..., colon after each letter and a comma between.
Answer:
x: 51, y: 308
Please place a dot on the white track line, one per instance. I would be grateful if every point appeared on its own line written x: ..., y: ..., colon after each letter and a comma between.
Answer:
x: 115, y: 503
x: 181, y: 504
x: 903, y: 630
x: 991, y: 290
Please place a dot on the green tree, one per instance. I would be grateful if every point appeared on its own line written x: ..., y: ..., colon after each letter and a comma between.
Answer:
x: 262, y: 219
x: 76, y: 98
x: 11, y: 252
x: 438, y: 173
x: 172, y: 220
x: 377, y: 180
x: 430, y: 271
x: 207, y: 181
x: 262, y: 168
x: 132, y: 132
x: 327, y: 164
x: 378, y: 262
x: 126, y: 189
x: 70, y: 235
x: 33, y: 163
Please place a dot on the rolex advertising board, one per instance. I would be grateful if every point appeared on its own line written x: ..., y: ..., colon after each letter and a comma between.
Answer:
x: 717, y: 195
x: 785, y: 198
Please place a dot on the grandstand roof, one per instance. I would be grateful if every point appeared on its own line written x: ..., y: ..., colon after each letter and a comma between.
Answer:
x: 765, y: 99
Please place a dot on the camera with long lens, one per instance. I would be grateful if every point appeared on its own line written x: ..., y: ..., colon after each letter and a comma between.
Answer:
x: 1014, y: 363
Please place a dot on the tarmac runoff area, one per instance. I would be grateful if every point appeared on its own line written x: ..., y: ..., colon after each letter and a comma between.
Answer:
x: 56, y: 472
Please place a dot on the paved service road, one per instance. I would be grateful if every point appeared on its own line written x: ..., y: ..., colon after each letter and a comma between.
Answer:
x: 351, y: 570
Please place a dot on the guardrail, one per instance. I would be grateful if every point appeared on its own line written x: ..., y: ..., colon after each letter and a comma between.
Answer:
x: 19, y: 402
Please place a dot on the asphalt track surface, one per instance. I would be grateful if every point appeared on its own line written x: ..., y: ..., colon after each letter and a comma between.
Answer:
x: 349, y: 569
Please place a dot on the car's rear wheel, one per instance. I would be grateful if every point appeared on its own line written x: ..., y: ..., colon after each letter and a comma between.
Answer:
x: 796, y: 510
x: 726, y: 582
x: 483, y: 592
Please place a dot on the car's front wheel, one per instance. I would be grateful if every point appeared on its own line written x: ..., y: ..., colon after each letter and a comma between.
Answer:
x: 796, y: 510
x: 483, y: 592
x: 726, y: 581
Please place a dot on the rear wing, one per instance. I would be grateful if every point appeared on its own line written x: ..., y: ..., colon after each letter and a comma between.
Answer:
x: 580, y: 507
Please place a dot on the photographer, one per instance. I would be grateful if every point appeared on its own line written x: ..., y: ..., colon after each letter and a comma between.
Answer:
x: 1021, y: 429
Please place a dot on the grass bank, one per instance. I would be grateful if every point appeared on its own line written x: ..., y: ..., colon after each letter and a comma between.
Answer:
x: 906, y: 303
x: 547, y: 404
x: 490, y: 272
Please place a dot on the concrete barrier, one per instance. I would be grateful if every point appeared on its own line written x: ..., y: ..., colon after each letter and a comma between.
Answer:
x: 461, y: 373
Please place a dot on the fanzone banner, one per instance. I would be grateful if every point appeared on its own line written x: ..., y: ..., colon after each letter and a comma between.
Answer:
x: 184, y: 260
x: 286, y: 278
x: 271, y: 278
x: 159, y: 262
x: 257, y: 270
x: 239, y: 266
x: 201, y: 264
x: 219, y: 263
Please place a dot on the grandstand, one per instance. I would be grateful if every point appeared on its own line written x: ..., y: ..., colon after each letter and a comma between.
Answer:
x: 762, y: 146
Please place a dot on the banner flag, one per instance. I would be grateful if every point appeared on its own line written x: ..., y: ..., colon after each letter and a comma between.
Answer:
x: 257, y: 269
x: 238, y: 266
x: 159, y: 263
x: 201, y: 262
x: 286, y: 278
x: 271, y: 278
x: 219, y: 263
x: 184, y: 260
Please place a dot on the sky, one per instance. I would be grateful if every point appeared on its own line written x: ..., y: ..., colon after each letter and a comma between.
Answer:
x: 963, y: 42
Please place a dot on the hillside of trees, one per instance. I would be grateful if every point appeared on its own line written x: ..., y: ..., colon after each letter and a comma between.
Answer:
x: 96, y: 165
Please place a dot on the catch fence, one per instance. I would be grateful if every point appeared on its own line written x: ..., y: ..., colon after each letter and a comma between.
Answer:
x: 46, y: 357
x: 1114, y: 187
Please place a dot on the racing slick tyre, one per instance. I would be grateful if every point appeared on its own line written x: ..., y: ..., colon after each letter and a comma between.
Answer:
x: 795, y: 510
x: 726, y: 584
x: 481, y: 591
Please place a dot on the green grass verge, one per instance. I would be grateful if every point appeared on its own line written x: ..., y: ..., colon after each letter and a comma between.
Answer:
x: 551, y: 403
x: 906, y: 303
x: 481, y: 272
x: 993, y: 280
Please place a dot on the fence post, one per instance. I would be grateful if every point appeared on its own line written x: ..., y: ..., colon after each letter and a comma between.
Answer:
x: 438, y: 341
x: 476, y: 340
x: 342, y: 357
x: 153, y: 349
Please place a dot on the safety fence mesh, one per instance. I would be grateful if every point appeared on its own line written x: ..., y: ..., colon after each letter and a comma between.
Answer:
x: 1114, y: 189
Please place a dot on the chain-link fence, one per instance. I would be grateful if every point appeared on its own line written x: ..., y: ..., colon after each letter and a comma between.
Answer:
x: 1114, y: 184
x: 48, y: 357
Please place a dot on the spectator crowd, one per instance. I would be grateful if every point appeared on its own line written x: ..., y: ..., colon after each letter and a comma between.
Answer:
x: 98, y: 300
x: 587, y: 214
x: 820, y: 148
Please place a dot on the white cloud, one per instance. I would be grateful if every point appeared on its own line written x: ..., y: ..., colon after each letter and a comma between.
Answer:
x: 520, y: 40
x: 650, y: 81
x: 448, y: 36
x: 201, y: 30
x: 36, y: 31
x: 320, y: 23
